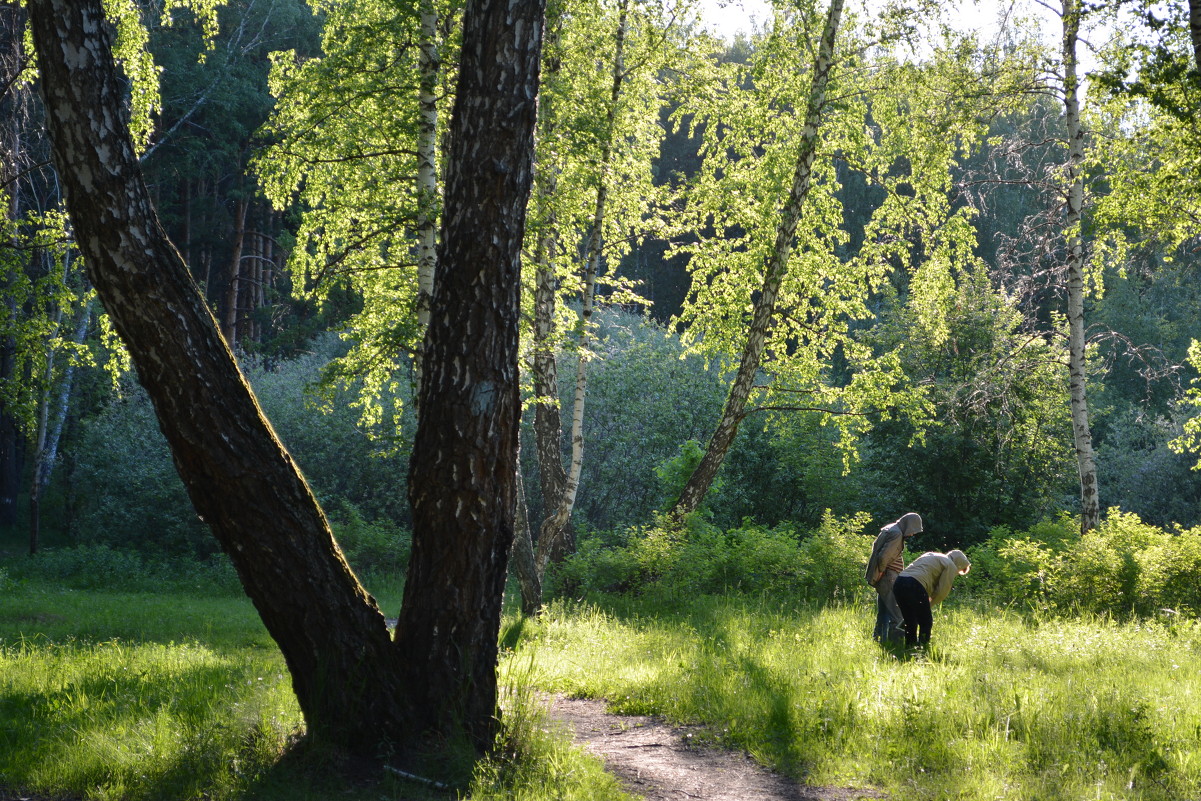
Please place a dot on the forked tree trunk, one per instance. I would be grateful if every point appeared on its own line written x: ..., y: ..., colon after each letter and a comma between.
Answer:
x: 1090, y: 508
x: 777, y: 265
x: 357, y: 688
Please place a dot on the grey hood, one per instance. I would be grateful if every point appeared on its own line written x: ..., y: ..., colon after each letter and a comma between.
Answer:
x: 909, y: 524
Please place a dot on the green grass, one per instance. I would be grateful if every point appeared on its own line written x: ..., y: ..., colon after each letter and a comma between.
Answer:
x: 138, y: 695
x: 1001, y: 707
x: 146, y: 696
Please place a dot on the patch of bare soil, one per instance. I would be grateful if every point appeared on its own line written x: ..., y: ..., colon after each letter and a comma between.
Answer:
x: 660, y: 763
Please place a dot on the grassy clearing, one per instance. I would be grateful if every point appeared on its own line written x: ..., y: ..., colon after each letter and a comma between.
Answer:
x: 1002, y: 707
x: 127, y: 695
x: 144, y: 696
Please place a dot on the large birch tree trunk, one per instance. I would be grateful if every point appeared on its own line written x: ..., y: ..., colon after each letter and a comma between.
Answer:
x: 461, y: 483
x: 1090, y: 510
x: 702, y: 477
x: 238, y: 475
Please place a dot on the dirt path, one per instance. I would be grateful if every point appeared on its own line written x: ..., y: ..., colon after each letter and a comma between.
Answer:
x: 659, y: 763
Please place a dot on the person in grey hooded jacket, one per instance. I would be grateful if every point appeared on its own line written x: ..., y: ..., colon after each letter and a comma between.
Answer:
x: 883, y: 567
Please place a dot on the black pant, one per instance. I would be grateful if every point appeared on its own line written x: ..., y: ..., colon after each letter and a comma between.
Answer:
x: 915, y: 606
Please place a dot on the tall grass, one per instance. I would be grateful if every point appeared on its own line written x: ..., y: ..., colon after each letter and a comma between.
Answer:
x: 1002, y: 706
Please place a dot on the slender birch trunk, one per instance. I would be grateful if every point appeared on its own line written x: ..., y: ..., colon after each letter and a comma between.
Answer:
x: 1090, y: 510
x: 52, y: 418
x: 522, y: 559
x: 777, y: 265
x: 548, y: 426
x: 230, y: 318
x: 554, y: 535
x: 428, y: 64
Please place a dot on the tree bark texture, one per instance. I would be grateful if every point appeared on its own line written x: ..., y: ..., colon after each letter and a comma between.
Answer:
x: 702, y: 477
x: 1090, y: 508
x: 461, y: 484
x: 240, y: 479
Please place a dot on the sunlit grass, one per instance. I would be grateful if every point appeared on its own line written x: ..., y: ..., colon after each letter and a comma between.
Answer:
x: 139, y: 720
x: 1001, y: 707
x: 118, y: 695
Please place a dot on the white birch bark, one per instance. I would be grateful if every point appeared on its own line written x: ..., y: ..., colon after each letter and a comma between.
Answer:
x: 555, y: 524
x: 52, y: 418
x: 777, y: 265
x: 1090, y: 510
x: 429, y: 65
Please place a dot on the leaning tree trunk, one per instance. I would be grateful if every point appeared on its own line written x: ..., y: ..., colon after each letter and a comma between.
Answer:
x: 461, y: 484
x: 238, y: 475
x: 1090, y: 508
x: 777, y: 265
x: 357, y: 689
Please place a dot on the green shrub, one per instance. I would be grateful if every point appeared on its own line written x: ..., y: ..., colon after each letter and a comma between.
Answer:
x: 834, y: 558
x: 1123, y: 567
x: 371, y: 546
x: 102, y: 567
x: 701, y: 559
x: 1169, y: 574
x: 1099, y: 572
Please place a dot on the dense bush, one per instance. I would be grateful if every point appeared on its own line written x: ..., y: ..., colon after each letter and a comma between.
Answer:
x: 1123, y: 567
x: 825, y: 564
x: 373, y: 547
x: 128, y: 495
x: 101, y: 567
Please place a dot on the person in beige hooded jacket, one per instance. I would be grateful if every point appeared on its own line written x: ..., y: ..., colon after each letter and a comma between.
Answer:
x: 925, y: 583
x: 883, y: 567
